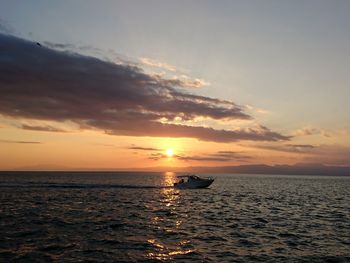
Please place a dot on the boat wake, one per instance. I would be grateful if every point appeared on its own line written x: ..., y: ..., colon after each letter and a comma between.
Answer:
x: 80, y: 186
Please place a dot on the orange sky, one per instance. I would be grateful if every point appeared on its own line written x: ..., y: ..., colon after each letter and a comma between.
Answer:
x: 94, y: 149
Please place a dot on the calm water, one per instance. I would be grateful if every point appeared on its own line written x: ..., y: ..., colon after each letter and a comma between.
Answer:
x: 125, y: 217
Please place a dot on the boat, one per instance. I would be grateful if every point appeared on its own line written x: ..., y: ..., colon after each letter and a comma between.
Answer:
x: 192, y: 181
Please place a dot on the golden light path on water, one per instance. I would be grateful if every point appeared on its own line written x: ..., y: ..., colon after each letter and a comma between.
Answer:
x: 169, y: 200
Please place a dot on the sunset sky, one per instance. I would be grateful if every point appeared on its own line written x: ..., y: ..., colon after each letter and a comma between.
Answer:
x: 131, y: 84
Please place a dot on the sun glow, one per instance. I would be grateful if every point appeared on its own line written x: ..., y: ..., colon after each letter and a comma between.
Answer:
x: 170, y: 152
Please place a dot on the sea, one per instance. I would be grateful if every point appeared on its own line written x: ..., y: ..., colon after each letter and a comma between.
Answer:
x: 140, y: 217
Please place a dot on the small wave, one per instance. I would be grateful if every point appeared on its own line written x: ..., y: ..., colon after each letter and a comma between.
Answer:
x: 55, y: 247
x: 33, y: 256
x: 117, y: 225
x: 29, y: 233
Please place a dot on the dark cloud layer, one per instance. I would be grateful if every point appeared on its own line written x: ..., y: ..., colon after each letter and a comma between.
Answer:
x: 40, y: 83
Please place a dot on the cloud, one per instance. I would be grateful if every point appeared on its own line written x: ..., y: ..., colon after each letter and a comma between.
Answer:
x: 39, y: 83
x: 157, y: 64
x: 327, y: 154
x: 231, y: 155
x: 330, y: 154
x: 201, y: 133
x: 221, y: 156
x: 42, y: 128
x: 256, y: 110
x: 291, y: 148
x: 20, y: 142
x: 59, y: 46
x: 189, y: 83
x: 302, y: 146
x: 204, y: 158
x: 309, y: 130
x: 143, y: 148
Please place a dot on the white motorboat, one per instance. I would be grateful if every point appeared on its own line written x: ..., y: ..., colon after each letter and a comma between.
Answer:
x: 193, y: 182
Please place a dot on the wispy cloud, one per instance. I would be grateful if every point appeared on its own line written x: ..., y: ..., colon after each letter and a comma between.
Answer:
x: 309, y: 130
x: 330, y: 155
x: 42, y: 128
x: 291, y: 148
x: 257, y: 110
x: 20, y: 142
x: 302, y: 146
x: 157, y: 64
x: 180, y: 80
x: 189, y: 83
x: 204, y: 158
x: 61, y: 46
x: 221, y: 156
x: 144, y: 148
x: 231, y: 155
x: 40, y: 83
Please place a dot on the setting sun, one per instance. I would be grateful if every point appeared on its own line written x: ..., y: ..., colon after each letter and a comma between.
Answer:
x: 169, y: 152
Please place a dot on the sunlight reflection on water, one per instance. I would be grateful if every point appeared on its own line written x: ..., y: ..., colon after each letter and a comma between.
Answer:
x: 169, y: 199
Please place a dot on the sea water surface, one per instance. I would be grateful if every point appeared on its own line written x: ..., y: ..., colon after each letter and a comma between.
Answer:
x: 139, y: 217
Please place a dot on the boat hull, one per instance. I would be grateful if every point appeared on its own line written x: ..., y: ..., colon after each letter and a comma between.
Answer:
x: 203, y: 183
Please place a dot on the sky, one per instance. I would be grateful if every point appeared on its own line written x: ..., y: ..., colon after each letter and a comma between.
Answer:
x: 132, y: 84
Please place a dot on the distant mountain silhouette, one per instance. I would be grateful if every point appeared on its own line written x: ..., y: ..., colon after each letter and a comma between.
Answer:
x: 297, y: 169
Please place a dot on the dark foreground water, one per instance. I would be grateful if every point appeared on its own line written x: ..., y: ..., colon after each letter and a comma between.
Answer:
x: 126, y: 217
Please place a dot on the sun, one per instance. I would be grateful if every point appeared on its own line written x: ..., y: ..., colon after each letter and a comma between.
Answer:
x: 169, y: 152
